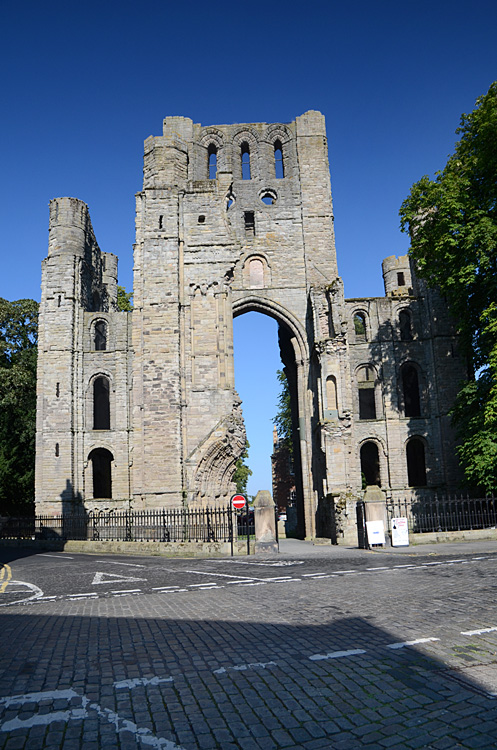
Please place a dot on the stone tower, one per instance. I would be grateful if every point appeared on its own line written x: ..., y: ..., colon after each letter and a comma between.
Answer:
x: 140, y: 409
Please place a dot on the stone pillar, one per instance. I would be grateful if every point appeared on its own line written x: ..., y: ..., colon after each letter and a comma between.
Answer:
x: 375, y: 505
x: 265, y: 523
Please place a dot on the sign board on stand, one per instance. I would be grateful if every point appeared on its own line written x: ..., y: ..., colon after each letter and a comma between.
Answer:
x: 376, y: 532
x: 400, y: 532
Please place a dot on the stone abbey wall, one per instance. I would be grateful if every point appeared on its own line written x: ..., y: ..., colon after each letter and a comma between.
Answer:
x: 231, y: 219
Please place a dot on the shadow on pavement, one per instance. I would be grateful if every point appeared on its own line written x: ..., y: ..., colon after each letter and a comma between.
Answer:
x: 187, y: 683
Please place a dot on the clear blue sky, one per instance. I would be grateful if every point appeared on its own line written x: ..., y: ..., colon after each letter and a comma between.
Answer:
x: 83, y: 84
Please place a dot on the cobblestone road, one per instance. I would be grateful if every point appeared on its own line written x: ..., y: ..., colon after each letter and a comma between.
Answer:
x: 325, y: 649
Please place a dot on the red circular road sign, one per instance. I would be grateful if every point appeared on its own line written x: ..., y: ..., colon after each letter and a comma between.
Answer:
x: 238, y: 501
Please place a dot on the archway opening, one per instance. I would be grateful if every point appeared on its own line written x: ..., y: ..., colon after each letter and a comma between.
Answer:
x: 370, y: 464
x: 101, y: 460
x: 262, y: 347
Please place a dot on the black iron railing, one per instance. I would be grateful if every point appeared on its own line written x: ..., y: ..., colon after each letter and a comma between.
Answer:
x: 445, y: 513
x: 166, y: 525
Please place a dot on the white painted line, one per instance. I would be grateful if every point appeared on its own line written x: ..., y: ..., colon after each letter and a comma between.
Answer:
x: 164, y: 588
x: 279, y: 578
x: 223, y: 575
x: 65, y: 557
x: 292, y: 580
x: 410, y: 565
x: 258, y: 583
x: 37, y: 593
x: 104, y: 578
x: 478, y: 632
x: 125, y: 591
x: 435, y: 563
x: 20, y: 700
x: 244, y: 667
x: 203, y: 585
x: 346, y: 571
x: 310, y: 575
x: 411, y: 643
x: 136, y: 681
x: 237, y: 583
x: 176, y: 591
x: 382, y: 567
x: 337, y: 654
x: 45, y: 598
x: 88, y: 593
x: 129, y: 565
x: 478, y: 558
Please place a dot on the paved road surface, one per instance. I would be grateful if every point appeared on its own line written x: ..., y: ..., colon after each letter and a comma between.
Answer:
x: 317, y: 648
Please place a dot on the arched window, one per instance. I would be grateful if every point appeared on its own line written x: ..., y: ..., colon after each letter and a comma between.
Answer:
x: 279, y: 167
x: 101, y: 404
x: 212, y: 161
x: 370, y: 464
x: 416, y: 463
x: 366, y: 386
x: 360, y: 327
x: 405, y: 325
x: 331, y: 393
x: 100, y: 336
x: 101, y: 460
x: 410, y: 388
x: 256, y: 273
x: 245, y: 153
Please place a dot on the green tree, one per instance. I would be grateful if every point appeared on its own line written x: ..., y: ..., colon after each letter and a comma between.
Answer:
x: 242, y: 471
x: 283, y: 418
x: 124, y: 299
x: 452, y: 223
x: 18, y: 340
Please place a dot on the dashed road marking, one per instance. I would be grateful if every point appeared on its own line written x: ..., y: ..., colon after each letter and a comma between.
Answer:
x: 244, y: 667
x: 129, y: 565
x: 402, y: 644
x: 37, y: 593
x: 104, y: 578
x: 141, y: 681
x: 337, y: 654
x: 58, y: 557
x: 478, y: 632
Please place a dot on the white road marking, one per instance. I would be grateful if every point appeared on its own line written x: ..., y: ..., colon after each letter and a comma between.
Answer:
x: 87, y: 593
x: 346, y: 571
x: 136, y: 681
x: 411, y: 643
x: 244, y: 667
x: 223, y: 575
x: 104, y: 578
x: 279, y: 564
x: 37, y: 593
x: 164, y: 588
x: 125, y: 591
x: 337, y: 654
x: 478, y: 632
x: 381, y: 567
x: 204, y: 585
x: 64, y: 556
x: 129, y: 565
x: 141, y: 735
x: 279, y: 578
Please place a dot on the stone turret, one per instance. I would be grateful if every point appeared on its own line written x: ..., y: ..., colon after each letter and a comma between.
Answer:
x: 397, y: 276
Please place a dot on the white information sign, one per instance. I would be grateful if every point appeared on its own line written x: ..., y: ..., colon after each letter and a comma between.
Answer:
x: 376, y: 532
x: 400, y: 532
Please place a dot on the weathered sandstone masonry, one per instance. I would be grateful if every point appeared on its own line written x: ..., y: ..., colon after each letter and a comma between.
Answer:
x: 140, y: 409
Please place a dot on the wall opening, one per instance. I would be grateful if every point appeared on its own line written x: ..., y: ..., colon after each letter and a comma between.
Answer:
x: 100, y: 336
x: 367, y: 392
x: 212, y: 161
x: 245, y: 156
x: 416, y: 463
x: 410, y: 387
x: 405, y: 325
x: 370, y: 464
x: 101, y: 460
x: 279, y: 167
x: 101, y: 404
x: 360, y: 331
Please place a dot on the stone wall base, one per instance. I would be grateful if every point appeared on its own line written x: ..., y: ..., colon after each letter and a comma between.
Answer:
x: 164, y: 549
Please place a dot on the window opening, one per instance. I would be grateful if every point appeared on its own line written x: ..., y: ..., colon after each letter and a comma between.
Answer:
x: 57, y: 452
x: 370, y: 465
x: 100, y: 338
x: 416, y: 463
x: 360, y: 327
x: 57, y: 390
x: 212, y: 161
x: 410, y: 387
x: 405, y: 325
x: 279, y: 169
x: 101, y: 460
x: 160, y: 222
x: 401, y: 279
x: 59, y: 300
x: 249, y: 219
x: 101, y: 404
x: 367, y: 399
x: 268, y: 197
x: 201, y: 219
x: 245, y: 152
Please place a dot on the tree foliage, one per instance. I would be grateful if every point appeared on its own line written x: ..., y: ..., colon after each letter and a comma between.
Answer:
x: 124, y: 299
x: 18, y: 340
x: 452, y: 222
x: 242, y: 471
x: 283, y: 418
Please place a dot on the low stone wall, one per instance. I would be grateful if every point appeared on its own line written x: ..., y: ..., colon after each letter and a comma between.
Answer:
x: 469, y: 535
x: 164, y: 549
